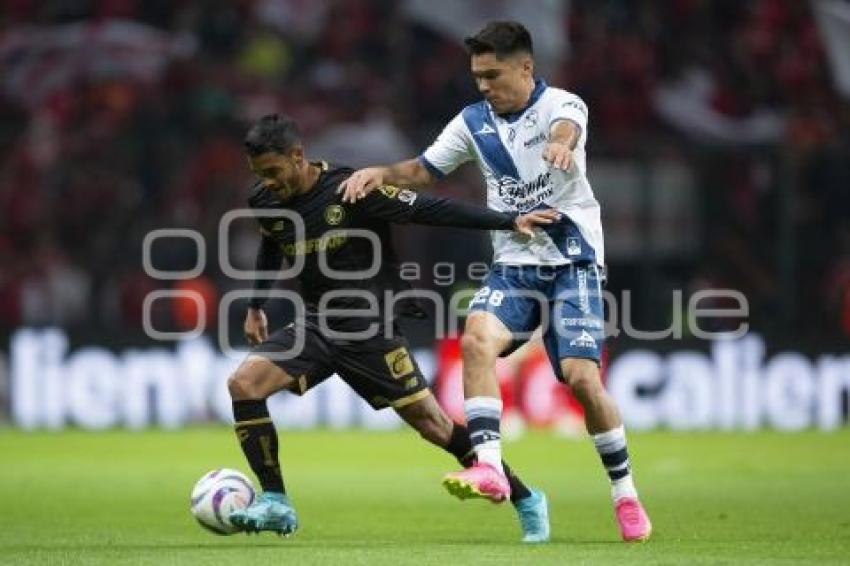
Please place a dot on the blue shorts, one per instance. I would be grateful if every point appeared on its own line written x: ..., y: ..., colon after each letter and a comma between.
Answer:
x: 566, y: 300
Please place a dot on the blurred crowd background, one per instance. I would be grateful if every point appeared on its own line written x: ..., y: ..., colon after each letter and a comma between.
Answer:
x: 719, y: 141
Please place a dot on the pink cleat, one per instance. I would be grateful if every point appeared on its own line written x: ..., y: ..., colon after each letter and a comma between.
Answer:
x: 633, y: 520
x: 479, y: 480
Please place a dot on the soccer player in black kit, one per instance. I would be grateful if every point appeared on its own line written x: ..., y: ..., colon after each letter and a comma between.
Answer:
x: 340, y: 334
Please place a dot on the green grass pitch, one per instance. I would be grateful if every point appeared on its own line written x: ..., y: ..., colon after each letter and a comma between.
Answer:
x: 375, y: 498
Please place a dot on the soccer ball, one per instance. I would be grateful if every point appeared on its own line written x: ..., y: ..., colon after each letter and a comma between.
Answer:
x: 216, y: 495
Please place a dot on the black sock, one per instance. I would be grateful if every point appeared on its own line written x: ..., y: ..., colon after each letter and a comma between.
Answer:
x: 518, y: 489
x: 460, y: 447
x: 258, y: 439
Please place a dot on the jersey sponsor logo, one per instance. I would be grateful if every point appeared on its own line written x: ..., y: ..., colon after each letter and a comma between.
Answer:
x: 525, y: 196
x: 539, y: 138
x: 485, y: 129
x: 583, y: 340
x: 389, y: 191
x: 312, y: 245
x: 399, y: 363
x: 582, y: 322
x: 407, y: 196
x: 573, y: 246
x: 583, y: 299
x: 575, y: 104
x: 334, y: 214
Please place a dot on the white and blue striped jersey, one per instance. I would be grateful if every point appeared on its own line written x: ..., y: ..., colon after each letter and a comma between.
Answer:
x: 508, y: 149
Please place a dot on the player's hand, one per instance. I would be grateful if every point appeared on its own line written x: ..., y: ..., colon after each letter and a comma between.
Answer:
x: 558, y: 154
x: 361, y: 183
x: 524, y: 223
x: 256, y: 326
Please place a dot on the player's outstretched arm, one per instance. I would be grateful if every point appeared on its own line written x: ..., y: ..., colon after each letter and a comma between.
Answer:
x: 405, y: 206
x: 407, y: 173
x: 562, y: 141
x: 524, y: 223
x: 269, y: 258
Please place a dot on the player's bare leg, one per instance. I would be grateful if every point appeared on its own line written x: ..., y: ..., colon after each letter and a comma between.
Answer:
x: 432, y: 423
x: 600, y: 410
x: 484, y: 338
x: 606, y: 428
x: 250, y: 386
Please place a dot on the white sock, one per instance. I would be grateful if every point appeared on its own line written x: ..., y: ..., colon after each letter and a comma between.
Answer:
x: 483, y: 416
x: 490, y: 453
x: 611, y: 446
x: 623, y: 487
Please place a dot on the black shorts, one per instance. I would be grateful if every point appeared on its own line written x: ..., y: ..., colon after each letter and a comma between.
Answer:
x: 379, y: 369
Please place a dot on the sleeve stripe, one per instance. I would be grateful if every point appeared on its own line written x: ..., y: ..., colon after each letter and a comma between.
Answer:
x: 431, y: 168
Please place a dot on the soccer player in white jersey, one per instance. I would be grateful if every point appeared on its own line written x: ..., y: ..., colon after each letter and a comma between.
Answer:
x: 528, y: 139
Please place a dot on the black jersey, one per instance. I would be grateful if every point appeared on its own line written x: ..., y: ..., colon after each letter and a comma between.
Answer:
x: 326, y: 219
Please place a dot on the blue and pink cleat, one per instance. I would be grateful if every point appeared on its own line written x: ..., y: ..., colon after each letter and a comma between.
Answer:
x: 480, y: 480
x: 483, y: 481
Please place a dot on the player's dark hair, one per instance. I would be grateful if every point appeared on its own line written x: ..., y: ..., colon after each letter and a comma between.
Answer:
x: 502, y: 38
x: 276, y: 133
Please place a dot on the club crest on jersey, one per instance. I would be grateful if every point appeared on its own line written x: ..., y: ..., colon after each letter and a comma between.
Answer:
x: 530, y: 119
x: 389, y: 191
x: 334, y: 214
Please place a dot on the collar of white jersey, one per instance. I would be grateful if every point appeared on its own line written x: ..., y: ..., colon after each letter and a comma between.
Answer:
x: 539, y: 86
